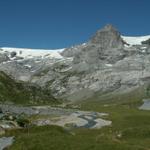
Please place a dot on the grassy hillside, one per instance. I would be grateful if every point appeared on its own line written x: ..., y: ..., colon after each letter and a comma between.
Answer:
x: 23, y: 93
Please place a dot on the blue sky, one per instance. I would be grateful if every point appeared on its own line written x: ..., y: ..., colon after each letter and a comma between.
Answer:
x: 62, y: 23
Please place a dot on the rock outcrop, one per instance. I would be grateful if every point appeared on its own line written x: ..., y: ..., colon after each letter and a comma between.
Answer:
x: 108, y: 37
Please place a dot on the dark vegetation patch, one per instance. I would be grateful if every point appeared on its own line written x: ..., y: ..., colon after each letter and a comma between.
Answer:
x: 23, y: 93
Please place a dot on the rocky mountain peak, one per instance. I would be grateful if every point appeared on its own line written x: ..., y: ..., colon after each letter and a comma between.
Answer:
x: 108, y: 37
x: 109, y: 27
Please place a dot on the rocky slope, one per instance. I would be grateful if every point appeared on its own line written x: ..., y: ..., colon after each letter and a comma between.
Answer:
x: 107, y: 63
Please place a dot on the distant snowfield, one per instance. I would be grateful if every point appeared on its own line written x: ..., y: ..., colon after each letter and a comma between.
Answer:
x: 135, y: 40
x: 43, y: 53
x: 30, y: 53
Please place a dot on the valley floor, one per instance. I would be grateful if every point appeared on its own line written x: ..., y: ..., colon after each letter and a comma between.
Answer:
x: 130, y: 130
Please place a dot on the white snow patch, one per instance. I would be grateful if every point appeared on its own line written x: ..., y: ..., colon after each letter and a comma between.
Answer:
x: 135, y: 40
x: 67, y: 69
x: 31, y: 53
x: 109, y: 65
x: 28, y: 66
x: 143, y: 47
x: 84, y: 44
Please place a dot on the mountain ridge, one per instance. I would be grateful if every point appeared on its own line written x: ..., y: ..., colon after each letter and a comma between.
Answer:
x: 107, y: 63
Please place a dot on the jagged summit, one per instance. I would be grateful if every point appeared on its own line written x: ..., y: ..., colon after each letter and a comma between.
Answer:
x: 108, y: 37
x: 105, y: 38
x: 108, y: 27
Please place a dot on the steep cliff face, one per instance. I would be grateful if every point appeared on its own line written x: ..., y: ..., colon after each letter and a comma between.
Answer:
x: 108, y: 37
x: 107, y: 63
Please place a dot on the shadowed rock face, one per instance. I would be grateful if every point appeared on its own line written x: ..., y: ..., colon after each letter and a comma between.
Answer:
x: 108, y: 37
x: 104, y: 39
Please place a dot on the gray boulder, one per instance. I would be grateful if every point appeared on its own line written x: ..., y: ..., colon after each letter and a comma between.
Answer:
x: 3, y: 58
x: 13, y: 54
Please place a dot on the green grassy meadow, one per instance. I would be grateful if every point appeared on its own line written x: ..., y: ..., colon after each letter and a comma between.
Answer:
x: 130, y: 130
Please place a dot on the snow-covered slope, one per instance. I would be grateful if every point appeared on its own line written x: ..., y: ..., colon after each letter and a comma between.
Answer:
x: 31, y: 53
x: 135, y: 40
